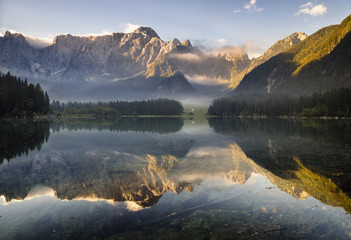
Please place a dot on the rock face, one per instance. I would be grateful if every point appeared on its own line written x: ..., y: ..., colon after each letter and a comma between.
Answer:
x: 77, y: 66
x: 94, y: 58
x: 82, y: 66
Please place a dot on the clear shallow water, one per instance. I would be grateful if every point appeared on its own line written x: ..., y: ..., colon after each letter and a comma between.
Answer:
x: 169, y: 179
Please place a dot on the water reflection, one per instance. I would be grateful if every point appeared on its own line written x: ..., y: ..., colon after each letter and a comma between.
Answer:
x: 20, y: 137
x: 300, y: 157
x: 248, y: 179
x: 162, y: 125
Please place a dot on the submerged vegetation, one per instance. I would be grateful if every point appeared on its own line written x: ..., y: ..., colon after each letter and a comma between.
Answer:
x: 20, y: 99
x: 329, y: 104
x: 118, y: 108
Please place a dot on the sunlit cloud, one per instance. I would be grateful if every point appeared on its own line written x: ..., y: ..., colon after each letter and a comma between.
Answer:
x: 102, y: 33
x: 236, y: 10
x: 222, y: 41
x: 312, y: 9
x: 38, y: 42
x: 203, y: 79
x: 133, y: 207
x: 186, y: 57
x: 129, y: 27
x: 252, y: 7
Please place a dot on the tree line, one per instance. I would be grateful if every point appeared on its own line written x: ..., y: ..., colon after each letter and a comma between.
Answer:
x: 19, y: 99
x: 116, y: 108
x: 332, y: 103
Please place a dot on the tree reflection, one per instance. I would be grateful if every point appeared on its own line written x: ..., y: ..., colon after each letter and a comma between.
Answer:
x: 20, y: 137
x: 162, y: 125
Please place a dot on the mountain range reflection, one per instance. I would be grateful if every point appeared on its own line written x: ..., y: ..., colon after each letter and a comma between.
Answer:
x: 124, y: 171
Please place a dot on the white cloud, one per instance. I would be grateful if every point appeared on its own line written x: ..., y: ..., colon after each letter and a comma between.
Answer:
x: 129, y: 27
x: 252, y: 7
x: 254, y: 48
x: 102, y: 33
x: 38, y: 42
x: 133, y: 207
x: 203, y: 79
x: 222, y: 40
x: 186, y: 57
x: 236, y: 10
x: 312, y: 9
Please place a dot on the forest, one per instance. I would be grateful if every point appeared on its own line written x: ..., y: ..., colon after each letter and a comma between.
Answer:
x: 330, y: 104
x: 20, y: 99
x: 118, y: 108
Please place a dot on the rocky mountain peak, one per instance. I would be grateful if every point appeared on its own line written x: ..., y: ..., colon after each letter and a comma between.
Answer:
x: 7, y: 34
x: 16, y: 36
x: 297, y: 37
x: 187, y: 43
x: 59, y: 38
x: 147, y: 31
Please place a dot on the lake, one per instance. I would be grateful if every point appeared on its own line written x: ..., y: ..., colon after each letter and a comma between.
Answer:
x: 169, y: 178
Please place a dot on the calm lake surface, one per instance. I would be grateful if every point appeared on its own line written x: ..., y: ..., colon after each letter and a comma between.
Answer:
x: 168, y: 178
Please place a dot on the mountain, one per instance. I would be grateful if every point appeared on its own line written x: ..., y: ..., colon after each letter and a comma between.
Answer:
x: 319, y: 63
x: 208, y: 68
x: 239, y: 71
x: 126, y: 66
x: 77, y: 65
x: 94, y: 58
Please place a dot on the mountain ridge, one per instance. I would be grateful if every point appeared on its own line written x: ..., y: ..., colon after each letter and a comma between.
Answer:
x: 72, y: 64
x: 319, y: 63
x: 238, y: 72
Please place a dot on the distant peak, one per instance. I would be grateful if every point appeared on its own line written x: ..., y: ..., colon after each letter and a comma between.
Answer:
x: 7, y: 34
x: 301, y: 35
x: 147, y: 31
x: 61, y: 37
x: 14, y: 35
x: 187, y: 43
x: 17, y: 36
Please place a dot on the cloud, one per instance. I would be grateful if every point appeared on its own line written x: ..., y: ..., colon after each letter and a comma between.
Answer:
x: 102, y: 33
x: 254, y: 49
x: 38, y: 42
x: 133, y: 207
x: 237, y: 10
x: 312, y: 9
x: 186, y: 57
x: 251, y: 6
x: 204, y: 79
x: 229, y: 50
x: 129, y: 27
x: 222, y: 41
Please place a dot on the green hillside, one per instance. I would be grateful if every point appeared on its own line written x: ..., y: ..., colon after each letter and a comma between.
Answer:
x: 239, y: 69
x: 319, y: 63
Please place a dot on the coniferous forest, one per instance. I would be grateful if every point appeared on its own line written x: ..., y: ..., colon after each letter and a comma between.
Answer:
x: 20, y: 99
x: 330, y: 104
x: 115, y: 108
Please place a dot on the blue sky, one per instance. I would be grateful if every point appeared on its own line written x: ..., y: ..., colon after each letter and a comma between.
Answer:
x: 256, y: 24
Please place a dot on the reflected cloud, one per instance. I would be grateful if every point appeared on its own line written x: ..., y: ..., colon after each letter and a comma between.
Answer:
x: 39, y: 191
x: 133, y: 207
